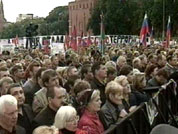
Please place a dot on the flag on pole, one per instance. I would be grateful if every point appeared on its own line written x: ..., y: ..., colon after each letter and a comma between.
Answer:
x: 102, y: 32
x: 168, y: 33
x: 151, y: 34
x: 144, y: 30
x: 73, y: 43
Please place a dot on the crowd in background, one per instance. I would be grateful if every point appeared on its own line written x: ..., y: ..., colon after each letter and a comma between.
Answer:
x: 82, y: 92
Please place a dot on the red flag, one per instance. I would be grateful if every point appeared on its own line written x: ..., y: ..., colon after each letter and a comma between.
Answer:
x: 144, y: 30
x: 168, y: 33
x: 73, y: 42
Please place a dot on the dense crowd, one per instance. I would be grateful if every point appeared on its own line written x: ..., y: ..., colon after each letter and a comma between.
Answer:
x: 82, y: 92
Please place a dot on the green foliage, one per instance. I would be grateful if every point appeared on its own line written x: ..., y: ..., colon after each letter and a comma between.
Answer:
x: 127, y: 17
x: 55, y: 23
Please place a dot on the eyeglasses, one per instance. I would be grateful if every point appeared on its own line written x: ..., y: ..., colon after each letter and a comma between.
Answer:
x: 74, y: 120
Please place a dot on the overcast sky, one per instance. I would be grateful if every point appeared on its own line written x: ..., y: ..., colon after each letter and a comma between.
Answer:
x: 41, y: 8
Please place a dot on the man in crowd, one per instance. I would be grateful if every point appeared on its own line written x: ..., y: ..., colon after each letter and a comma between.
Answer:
x: 9, y: 116
x: 31, y: 84
x: 99, y: 81
x: 49, y: 80
x: 17, y: 74
x: 25, y: 113
x: 56, y: 98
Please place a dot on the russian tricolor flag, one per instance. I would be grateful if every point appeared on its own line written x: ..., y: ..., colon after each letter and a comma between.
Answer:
x: 168, y: 33
x: 144, y: 30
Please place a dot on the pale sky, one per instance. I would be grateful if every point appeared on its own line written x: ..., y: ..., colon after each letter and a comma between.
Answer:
x: 40, y: 8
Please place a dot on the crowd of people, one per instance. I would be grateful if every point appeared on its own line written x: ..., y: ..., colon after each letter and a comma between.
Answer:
x: 82, y: 92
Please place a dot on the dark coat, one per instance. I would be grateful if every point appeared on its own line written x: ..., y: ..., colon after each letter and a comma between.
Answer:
x: 95, y: 84
x: 153, y: 83
x: 140, y: 97
x: 17, y: 130
x: 25, y: 121
x: 45, y: 117
x: 109, y: 114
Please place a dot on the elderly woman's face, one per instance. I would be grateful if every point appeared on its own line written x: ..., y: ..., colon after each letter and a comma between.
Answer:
x: 71, y: 124
x: 126, y: 87
x: 95, y: 104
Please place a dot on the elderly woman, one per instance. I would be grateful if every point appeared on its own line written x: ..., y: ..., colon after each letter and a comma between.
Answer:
x: 90, y: 121
x: 139, y: 83
x: 45, y: 130
x: 129, y: 100
x: 66, y: 120
x: 113, y: 107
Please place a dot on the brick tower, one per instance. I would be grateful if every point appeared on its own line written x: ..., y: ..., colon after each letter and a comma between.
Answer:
x: 2, y: 19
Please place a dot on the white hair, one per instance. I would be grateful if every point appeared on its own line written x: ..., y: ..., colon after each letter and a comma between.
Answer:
x: 64, y: 114
x: 6, y: 100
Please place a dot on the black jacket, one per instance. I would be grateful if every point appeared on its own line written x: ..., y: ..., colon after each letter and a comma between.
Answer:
x: 95, y: 84
x: 109, y: 114
x: 25, y: 121
x: 45, y: 117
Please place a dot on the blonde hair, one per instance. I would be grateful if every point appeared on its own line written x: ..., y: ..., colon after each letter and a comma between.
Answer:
x: 45, y: 130
x: 112, y: 87
x: 120, y: 79
x: 64, y: 114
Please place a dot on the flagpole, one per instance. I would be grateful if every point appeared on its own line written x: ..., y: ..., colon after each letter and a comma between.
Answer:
x: 163, y: 33
x: 102, y: 47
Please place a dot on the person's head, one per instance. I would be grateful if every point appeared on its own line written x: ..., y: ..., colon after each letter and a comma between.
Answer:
x: 121, y: 61
x: 17, y: 71
x: 125, y: 70
x: 86, y: 72
x: 162, y: 76
x: 99, y: 70
x: 38, y: 76
x: 151, y: 70
x: 136, y: 63
x: 152, y: 58
x: 16, y: 90
x: 8, y: 111
x: 66, y: 118
x: 61, y: 56
x: 111, y: 73
x: 4, y: 72
x: 114, y: 92
x: 72, y: 72
x: 54, y: 60
x: 90, y: 99
x: 4, y: 85
x: 47, y: 63
x: 80, y: 85
x: 110, y: 64
x: 172, y: 60
x: 50, y: 78
x: 139, y: 81
x: 161, y: 60
x: 122, y: 80
x: 143, y: 59
x: 56, y: 97
x: 33, y: 67
x: 45, y: 130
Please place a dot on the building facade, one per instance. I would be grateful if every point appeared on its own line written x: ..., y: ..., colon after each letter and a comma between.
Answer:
x: 23, y: 17
x: 2, y: 19
x: 79, y: 14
